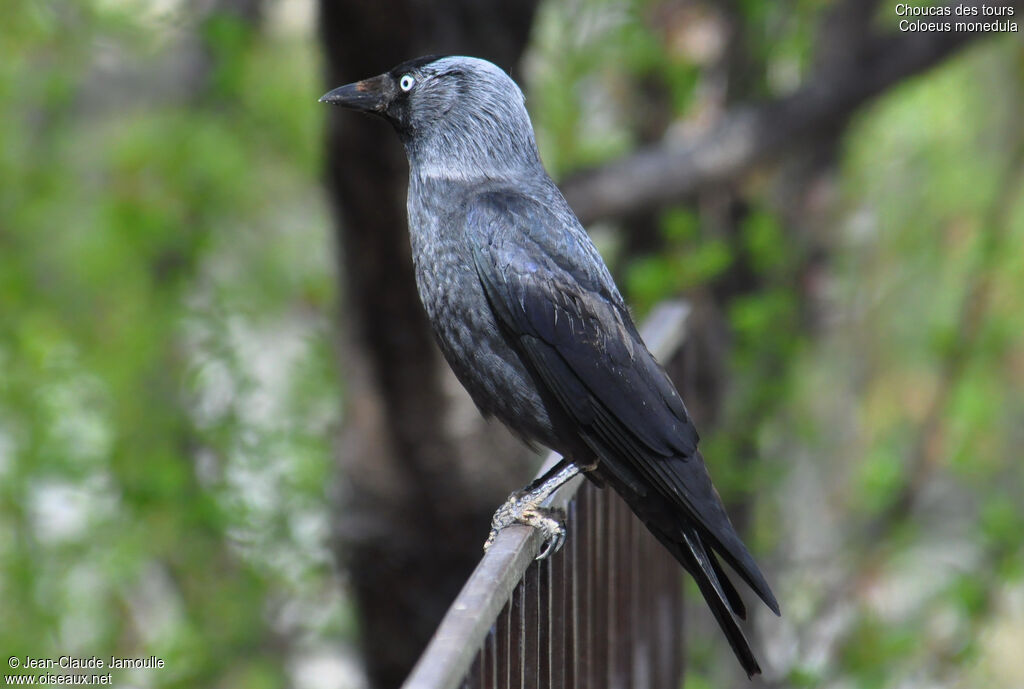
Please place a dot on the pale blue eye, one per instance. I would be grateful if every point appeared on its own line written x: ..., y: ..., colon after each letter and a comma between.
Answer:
x: 407, y: 82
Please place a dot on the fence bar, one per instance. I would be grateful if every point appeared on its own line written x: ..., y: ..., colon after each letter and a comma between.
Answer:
x: 568, y: 622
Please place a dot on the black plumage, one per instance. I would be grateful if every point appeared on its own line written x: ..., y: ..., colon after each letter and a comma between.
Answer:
x: 531, y: 322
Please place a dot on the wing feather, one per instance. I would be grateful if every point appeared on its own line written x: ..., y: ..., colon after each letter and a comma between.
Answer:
x: 575, y: 331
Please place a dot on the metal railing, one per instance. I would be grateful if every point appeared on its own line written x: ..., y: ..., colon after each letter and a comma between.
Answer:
x: 604, y: 612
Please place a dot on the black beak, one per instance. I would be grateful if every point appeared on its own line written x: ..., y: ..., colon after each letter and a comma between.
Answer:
x: 370, y: 95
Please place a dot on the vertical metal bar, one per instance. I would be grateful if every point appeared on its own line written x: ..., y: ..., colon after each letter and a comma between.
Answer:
x: 587, y: 600
x: 571, y: 594
x: 515, y: 639
x: 610, y: 635
x: 503, y: 653
x: 644, y: 604
x: 625, y: 604
x: 489, y: 675
x: 584, y: 573
x: 620, y: 675
x: 663, y: 617
x: 615, y: 565
x: 556, y: 630
x: 493, y: 659
x: 595, y: 567
x: 651, y: 604
x: 620, y: 610
x: 599, y: 638
x: 675, y: 587
x: 558, y: 608
x: 542, y: 663
x: 640, y: 652
x: 472, y: 680
x: 632, y: 616
x: 545, y: 622
x: 652, y: 607
x: 533, y: 637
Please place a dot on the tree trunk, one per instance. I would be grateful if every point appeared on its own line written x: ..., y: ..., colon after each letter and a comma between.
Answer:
x: 420, y: 472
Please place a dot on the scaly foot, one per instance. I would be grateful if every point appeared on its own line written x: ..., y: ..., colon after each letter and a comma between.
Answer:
x: 523, y: 507
x: 526, y: 507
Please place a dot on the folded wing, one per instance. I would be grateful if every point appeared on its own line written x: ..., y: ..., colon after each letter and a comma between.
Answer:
x: 575, y: 332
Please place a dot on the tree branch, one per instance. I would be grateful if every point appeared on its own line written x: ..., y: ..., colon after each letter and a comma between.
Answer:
x: 746, y: 136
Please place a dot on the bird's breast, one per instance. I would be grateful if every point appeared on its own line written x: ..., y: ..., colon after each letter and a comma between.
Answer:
x: 480, y: 354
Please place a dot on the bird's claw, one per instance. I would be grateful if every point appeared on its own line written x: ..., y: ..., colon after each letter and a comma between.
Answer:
x: 554, y: 536
x: 524, y: 509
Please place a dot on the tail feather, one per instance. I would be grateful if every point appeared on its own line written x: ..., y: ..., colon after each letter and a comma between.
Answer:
x: 736, y: 604
x: 698, y: 562
x: 753, y: 577
x: 689, y: 520
x: 700, y: 501
x: 683, y: 482
x: 691, y: 549
x: 687, y: 546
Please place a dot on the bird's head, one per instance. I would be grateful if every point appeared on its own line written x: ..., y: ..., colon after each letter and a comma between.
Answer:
x: 461, y: 113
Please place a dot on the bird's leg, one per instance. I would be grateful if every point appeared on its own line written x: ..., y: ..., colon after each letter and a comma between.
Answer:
x: 525, y: 507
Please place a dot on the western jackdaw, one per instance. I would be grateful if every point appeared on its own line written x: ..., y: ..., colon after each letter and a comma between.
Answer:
x: 528, y: 317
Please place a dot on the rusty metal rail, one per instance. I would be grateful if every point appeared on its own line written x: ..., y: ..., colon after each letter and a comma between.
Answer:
x: 604, y: 612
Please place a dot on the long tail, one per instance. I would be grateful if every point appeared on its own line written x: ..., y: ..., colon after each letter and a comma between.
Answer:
x: 673, y: 495
x: 697, y: 548
x: 719, y: 593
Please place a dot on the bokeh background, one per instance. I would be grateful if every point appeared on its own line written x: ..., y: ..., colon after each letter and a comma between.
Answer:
x: 226, y: 440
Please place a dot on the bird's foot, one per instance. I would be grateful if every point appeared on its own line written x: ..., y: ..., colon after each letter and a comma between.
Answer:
x: 527, y: 507
x: 524, y: 507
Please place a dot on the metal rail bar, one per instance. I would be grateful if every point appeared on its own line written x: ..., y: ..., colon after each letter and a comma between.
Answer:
x: 485, y: 640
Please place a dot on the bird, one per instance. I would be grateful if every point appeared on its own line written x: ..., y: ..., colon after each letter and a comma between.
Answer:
x: 527, y: 315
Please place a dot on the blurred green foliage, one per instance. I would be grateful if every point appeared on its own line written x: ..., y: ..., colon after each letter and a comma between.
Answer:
x: 168, y: 387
